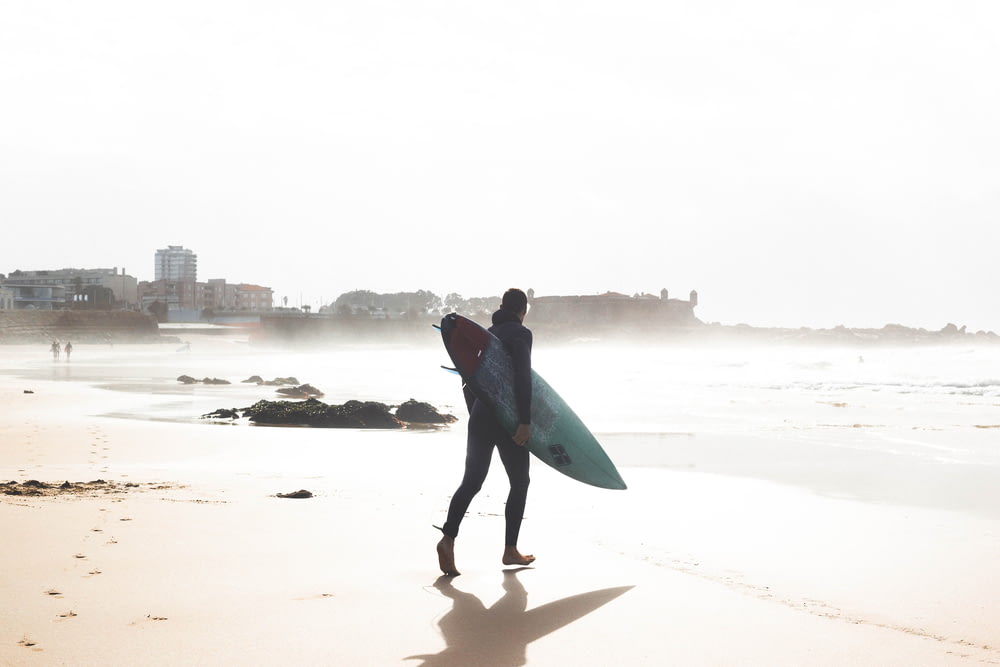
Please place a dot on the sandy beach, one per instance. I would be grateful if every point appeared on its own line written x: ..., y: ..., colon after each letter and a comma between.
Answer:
x: 170, y: 547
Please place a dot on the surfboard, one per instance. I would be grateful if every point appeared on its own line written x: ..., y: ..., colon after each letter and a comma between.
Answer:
x: 558, y: 436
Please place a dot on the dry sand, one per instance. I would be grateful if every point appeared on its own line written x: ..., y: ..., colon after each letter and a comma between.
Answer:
x: 185, y: 556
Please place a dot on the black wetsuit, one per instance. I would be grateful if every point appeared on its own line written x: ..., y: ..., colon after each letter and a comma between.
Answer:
x: 485, y: 433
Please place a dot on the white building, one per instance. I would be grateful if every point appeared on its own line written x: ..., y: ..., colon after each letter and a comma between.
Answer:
x: 176, y: 263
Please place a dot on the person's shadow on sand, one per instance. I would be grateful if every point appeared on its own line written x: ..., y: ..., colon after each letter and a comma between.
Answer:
x: 500, y: 635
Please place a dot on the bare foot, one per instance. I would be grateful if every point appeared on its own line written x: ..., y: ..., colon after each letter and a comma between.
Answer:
x: 446, y: 556
x: 511, y: 556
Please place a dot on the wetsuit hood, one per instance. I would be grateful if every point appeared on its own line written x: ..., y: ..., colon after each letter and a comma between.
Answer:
x: 503, y: 316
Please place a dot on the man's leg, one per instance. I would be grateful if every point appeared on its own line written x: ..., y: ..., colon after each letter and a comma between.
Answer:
x: 478, y: 452
x: 516, y: 462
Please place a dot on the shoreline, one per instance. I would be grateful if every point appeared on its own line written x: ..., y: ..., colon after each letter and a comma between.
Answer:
x: 202, y: 563
x: 42, y: 327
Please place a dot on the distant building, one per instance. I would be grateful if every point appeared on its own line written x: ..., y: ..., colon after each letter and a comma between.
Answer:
x: 215, y: 295
x: 176, y: 263
x: 175, y: 295
x: 613, y: 308
x: 253, y: 297
x: 6, y: 298
x: 57, y: 289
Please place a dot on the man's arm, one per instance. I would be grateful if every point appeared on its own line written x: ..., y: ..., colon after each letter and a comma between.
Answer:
x: 520, y: 352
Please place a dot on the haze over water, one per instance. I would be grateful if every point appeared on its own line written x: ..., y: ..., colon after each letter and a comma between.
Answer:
x: 911, y: 425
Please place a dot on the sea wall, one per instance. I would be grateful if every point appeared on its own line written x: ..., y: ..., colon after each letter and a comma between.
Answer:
x: 44, y: 326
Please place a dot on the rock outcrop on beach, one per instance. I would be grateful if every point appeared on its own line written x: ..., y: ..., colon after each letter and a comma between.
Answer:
x: 301, y: 493
x: 311, y: 412
x: 416, y: 412
x: 276, y: 382
x: 302, y: 391
x: 187, y: 379
x: 352, y: 414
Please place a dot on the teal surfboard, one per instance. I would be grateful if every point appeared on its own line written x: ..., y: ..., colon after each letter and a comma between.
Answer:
x: 558, y: 436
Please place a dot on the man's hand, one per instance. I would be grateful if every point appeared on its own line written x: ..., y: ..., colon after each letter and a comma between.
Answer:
x: 522, y: 435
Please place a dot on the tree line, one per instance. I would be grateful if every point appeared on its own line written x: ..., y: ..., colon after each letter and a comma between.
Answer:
x: 408, y: 304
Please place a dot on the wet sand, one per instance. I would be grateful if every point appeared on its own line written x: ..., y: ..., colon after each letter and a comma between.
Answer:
x: 185, y: 554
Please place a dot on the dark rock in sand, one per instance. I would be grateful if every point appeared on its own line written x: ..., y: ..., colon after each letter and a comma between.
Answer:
x: 223, y: 413
x: 301, y: 493
x: 302, y: 391
x: 187, y: 379
x: 352, y: 414
x: 215, y: 381
x: 34, y: 483
x: 254, y: 379
x: 282, y: 381
x: 415, y: 412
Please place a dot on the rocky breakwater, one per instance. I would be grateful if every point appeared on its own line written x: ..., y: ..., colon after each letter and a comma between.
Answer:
x: 44, y: 326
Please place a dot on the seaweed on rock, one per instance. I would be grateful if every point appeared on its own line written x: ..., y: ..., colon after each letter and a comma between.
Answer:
x: 311, y: 412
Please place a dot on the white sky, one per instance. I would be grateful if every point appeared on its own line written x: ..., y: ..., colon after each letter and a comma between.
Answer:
x: 798, y: 163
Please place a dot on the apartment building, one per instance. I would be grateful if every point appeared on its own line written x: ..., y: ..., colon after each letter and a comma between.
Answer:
x: 176, y: 263
x: 56, y: 289
x: 216, y: 295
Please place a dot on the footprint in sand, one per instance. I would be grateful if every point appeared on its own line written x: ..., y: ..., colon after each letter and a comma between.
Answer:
x: 149, y: 617
x: 27, y: 643
x: 68, y: 614
x: 54, y: 593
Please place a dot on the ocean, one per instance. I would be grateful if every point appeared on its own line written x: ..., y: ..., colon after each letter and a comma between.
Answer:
x: 916, y: 425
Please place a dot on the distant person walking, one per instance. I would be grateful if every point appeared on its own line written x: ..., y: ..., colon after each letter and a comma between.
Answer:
x: 55, y: 347
x: 485, y: 433
x: 68, y: 349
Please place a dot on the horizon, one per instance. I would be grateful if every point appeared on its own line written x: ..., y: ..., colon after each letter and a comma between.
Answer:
x: 795, y: 165
x: 442, y: 295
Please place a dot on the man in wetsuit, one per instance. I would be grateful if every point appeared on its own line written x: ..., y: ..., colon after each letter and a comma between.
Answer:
x: 485, y: 433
